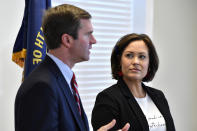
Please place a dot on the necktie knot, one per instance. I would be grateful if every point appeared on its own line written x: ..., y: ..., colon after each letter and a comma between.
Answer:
x: 73, y: 81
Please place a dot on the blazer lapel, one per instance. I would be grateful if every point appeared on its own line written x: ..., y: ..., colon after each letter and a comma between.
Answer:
x: 133, y: 105
x: 72, y: 103
x: 84, y: 117
x: 162, y: 105
x: 67, y: 93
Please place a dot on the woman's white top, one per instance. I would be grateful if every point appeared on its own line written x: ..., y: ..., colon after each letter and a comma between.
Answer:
x: 154, y: 117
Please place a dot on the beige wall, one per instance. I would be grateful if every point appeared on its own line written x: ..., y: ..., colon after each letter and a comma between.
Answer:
x: 175, y: 37
x: 11, y: 12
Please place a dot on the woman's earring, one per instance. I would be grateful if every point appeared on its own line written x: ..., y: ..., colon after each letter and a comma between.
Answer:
x: 120, y: 73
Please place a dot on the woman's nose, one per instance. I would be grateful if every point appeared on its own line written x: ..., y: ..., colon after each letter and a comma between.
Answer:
x: 135, y: 60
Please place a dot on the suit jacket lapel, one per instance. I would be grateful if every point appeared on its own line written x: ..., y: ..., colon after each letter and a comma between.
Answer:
x: 67, y: 93
x: 133, y: 105
x: 84, y: 117
x: 70, y: 99
x: 161, y: 103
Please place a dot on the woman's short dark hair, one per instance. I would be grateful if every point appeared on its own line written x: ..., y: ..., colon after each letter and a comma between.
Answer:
x: 59, y: 20
x: 120, y: 46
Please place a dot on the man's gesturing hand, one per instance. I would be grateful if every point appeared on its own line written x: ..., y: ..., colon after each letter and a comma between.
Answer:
x: 111, y: 124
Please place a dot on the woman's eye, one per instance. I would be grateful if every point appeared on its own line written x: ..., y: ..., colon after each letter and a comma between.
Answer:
x: 129, y: 55
x: 142, y: 56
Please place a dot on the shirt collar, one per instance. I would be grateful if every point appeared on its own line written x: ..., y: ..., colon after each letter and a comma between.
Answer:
x: 64, y: 68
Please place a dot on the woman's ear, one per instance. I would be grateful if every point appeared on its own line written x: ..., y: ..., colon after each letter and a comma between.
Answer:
x: 67, y: 40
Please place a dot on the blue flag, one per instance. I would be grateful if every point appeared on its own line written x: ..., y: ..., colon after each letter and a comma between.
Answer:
x: 30, y: 47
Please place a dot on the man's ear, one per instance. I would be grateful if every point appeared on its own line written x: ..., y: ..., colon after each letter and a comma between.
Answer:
x: 67, y: 40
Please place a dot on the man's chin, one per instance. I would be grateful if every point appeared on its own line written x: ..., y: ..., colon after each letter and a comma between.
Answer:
x: 87, y: 58
x: 83, y: 60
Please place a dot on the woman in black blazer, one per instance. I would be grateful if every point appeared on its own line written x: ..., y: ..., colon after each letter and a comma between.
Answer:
x: 134, y: 60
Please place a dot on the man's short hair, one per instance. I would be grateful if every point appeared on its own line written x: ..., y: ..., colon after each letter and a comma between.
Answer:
x: 60, y: 20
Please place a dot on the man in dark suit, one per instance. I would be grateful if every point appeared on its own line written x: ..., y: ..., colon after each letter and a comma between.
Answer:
x: 47, y: 99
